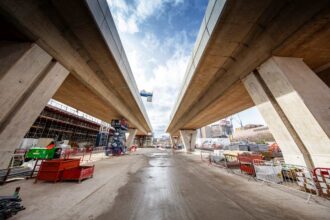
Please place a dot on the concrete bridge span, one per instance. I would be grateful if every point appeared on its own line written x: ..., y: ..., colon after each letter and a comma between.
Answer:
x: 69, y: 51
x: 242, y: 50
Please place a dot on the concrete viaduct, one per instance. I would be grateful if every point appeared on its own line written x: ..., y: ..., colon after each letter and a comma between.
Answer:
x: 271, y: 54
x: 66, y: 50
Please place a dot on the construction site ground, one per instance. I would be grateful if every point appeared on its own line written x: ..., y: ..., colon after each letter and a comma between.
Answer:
x: 162, y: 184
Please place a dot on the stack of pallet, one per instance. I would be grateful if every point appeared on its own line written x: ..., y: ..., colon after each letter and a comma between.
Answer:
x: 64, y: 169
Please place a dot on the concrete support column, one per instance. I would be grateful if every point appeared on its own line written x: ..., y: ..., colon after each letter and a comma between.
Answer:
x: 188, y: 138
x: 203, y: 132
x: 29, y: 78
x: 295, y: 104
x: 305, y: 100
x: 273, y: 116
x: 174, y: 141
x: 131, y: 136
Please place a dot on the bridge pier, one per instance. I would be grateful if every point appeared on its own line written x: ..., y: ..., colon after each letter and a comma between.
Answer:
x: 174, y: 141
x: 188, y: 138
x: 295, y: 104
x: 29, y: 78
x: 131, y: 136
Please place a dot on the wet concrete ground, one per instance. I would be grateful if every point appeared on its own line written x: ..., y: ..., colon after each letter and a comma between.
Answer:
x: 151, y: 184
x: 179, y: 186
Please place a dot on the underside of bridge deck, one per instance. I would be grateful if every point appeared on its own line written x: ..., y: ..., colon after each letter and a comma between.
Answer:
x: 234, y: 39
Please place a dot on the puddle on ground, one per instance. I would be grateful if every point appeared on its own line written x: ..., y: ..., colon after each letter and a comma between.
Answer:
x: 160, y: 160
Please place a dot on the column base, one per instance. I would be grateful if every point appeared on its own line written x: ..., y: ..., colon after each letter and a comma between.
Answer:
x: 188, y: 138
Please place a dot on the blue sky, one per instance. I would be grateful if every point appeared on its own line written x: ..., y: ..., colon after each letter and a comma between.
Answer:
x: 158, y: 37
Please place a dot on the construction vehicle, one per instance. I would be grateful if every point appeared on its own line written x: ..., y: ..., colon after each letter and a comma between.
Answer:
x: 117, y: 145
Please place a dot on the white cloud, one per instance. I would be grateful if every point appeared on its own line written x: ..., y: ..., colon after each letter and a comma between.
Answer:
x: 158, y: 62
x: 129, y: 17
x: 146, y: 8
x: 161, y: 75
x: 127, y: 25
x: 120, y: 4
x: 165, y: 85
x: 150, y: 41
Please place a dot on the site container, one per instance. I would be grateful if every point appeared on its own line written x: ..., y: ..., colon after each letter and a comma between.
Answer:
x: 78, y: 173
x: 40, y: 153
x: 59, y: 164
x: 52, y: 170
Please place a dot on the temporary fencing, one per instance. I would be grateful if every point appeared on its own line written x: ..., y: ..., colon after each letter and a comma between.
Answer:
x: 246, y: 163
x: 304, y: 178
x: 294, y: 176
x: 313, y: 182
x: 231, y: 161
x: 323, y: 181
x: 268, y: 171
x: 84, y: 154
x: 206, y: 156
x: 219, y: 158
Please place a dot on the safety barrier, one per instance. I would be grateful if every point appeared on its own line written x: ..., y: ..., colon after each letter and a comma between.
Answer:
x: 302, y: 176
x: 322, y: 176
x: 206, y: 156
x: 242, y: 162
x: 231, y: 162
x: 84, y: 154
x: 220, y: 159
x: 246, y: 163
x: 267, y: 171
x: 294, y: 176
x: 312, y: 182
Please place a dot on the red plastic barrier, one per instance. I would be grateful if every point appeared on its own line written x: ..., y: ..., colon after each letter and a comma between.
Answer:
x: 246, y: 162
x: 322, y: 179
x: 132, y: 148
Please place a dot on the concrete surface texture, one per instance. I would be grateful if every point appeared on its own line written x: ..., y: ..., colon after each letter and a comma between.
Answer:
x: 26, y: 86
x: 305, y: 101
x: 70, y: 200
x: 276, y: 121
x: 295, y: 104
x: 188, y: 138
x: 234, y: 39
x: 85, y: 41
x: 130, y: 137
x: 159, y: 184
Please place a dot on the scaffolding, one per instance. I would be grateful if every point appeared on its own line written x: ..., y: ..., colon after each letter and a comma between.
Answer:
x: 61, y: 124
x: 106, y: 131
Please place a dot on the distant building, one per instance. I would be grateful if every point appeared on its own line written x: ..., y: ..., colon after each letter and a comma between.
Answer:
x: 220, y: 129
x: 225, y: 128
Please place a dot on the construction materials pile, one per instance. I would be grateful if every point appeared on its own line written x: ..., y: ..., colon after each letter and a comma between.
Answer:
x: 10, y: 205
